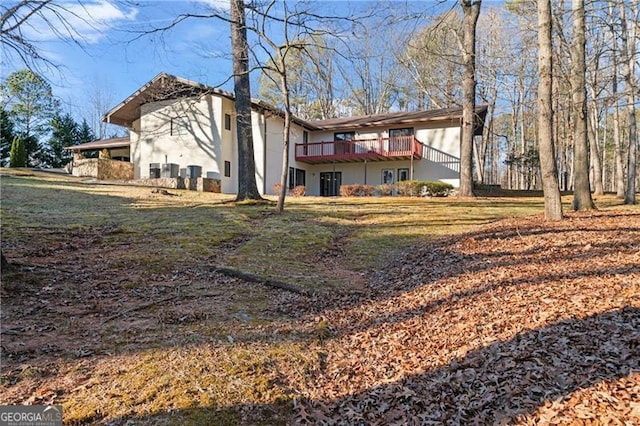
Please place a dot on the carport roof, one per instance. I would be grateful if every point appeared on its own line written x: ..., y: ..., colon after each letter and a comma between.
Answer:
x: 101, y: 144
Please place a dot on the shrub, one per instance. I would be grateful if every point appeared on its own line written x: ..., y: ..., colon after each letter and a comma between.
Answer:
x: 407, y: 188
x: 347, y: 190
x: 356, y: 190
x: 414, y: 188
x: 367, y: 190
x: 299, y: 191
x: 18, y: 153
x: 385, y: 189
x: 436, y: 189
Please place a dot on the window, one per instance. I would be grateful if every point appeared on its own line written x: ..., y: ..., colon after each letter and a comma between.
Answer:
x: 407, y: 131
x: 344, y: 136
x: 305, y: 141
x: 398, y: 140
x: 342, y: 141
x: 297, y: 177
x: 227, y: 169
x: 179, y: 126
x: 227, y: 122
x: 387, y: 176
x: 403, y: 174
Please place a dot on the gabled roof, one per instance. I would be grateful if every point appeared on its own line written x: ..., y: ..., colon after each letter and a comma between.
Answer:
x: 394, y: 118
x: 101, y: 144
x: 166, y: 86
x: 161, y: 87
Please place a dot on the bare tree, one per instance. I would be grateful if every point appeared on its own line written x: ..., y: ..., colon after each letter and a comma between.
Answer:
x: 628, y: 56
x: 432, y: 61
x: 247, y: 186
x: 471, y: 9
x: 582, y: 191
x: 552, y: 199
x: 279, y: 71
x: 617, y: 140
x: 60, y: 18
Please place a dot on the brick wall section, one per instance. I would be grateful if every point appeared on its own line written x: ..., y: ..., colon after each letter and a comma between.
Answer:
x: 199, y: 184
x: 103, y: 169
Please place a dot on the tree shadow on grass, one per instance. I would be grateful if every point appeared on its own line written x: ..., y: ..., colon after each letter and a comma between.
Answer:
x: 501, y: 383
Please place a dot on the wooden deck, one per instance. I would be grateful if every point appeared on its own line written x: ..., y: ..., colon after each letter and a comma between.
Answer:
x: 378, y: 149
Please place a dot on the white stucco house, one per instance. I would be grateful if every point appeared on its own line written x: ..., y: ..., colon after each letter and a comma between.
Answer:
x: 180, y: 127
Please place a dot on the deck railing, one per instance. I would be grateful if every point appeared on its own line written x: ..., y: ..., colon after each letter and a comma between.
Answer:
x: 442, y: 158
x: 359, y: 149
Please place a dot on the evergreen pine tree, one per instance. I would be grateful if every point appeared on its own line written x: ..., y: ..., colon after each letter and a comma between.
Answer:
x: 18, y: 156
x: 65, y: 133
x: 6, y: 137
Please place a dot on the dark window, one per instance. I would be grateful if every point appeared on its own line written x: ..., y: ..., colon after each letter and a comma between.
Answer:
x: 330, y: 183
x: 297, y: 177
x: 342, y: 143
x: 403, y: 174
x: 407, y: 131
x: 301, y: 177
x: 227, y: 169
x: 305, y: 141
x: 227, y: 122
x: 344, y: 136
x: 178, y: 126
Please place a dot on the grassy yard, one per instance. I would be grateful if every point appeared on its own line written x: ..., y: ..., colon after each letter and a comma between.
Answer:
x: 113, y: 307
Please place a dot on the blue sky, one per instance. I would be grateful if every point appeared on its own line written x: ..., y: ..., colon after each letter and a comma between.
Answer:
x: 113, y: 62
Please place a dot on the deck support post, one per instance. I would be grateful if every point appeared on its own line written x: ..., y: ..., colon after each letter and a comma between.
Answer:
x: 365, y: 171
x: 411, y: 168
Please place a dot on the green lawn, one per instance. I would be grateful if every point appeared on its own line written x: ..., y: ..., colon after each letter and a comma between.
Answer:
x: 357, y: 233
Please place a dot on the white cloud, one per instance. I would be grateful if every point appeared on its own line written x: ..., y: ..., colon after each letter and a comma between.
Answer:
x: 88, y: 22
x: 223, y: 5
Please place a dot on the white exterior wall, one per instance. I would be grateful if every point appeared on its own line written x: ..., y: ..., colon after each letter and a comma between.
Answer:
x: 442, y: 143
x: 194, y: 138
x: 135, y: 150
x: 206, y: 143
x: 274, y: 146
x: 228, y: 184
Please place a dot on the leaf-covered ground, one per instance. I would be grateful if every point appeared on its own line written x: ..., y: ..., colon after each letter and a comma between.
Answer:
x: 520, y: 322
x: 113, y: 309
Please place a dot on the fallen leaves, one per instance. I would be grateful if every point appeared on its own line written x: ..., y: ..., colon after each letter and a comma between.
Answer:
x: 520, y: 322
x: 517, y: 322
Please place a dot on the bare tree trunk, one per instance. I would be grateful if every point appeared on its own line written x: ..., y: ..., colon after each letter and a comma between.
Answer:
x: 247, y: 186
x: 471, y: 10
x: 596, y: 164
x: 619, y: 164
x: 628, y: 55
x: 617, y: 140
x: 286, y: 134
x: 581, y: 191
x: 4, y: 262
x: 550, y: 188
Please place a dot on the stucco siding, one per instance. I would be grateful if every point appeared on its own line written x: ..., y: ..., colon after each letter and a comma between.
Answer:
x: 229, y: 184
x: 183, y: 132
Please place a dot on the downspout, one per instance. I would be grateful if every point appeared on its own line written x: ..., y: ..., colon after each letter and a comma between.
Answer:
x: 365, y: 171
x: 411, y: 169
x: 264, y: 155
